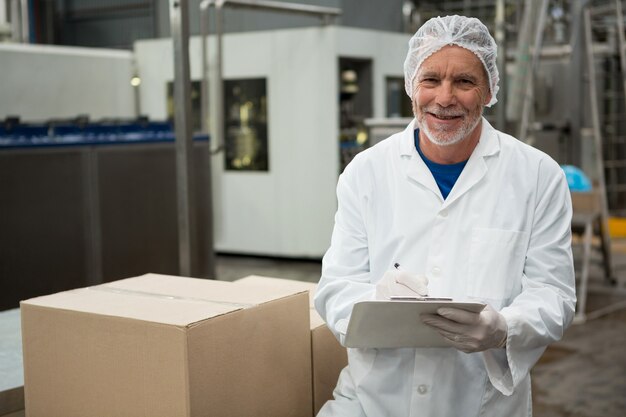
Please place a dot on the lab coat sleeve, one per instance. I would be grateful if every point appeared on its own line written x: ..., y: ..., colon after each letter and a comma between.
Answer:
x: 545, y: 306
x: 345, y: 266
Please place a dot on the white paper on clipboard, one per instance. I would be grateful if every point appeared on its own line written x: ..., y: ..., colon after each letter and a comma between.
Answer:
x: 396, y: 324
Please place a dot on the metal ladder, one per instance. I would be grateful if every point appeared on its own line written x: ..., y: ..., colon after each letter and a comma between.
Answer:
x: 617, y: 160
x: 609, y: 146
x: 593, y: 213
x: 608, y: 114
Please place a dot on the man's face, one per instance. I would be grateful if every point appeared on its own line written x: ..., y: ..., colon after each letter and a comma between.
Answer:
x: 450, y: 90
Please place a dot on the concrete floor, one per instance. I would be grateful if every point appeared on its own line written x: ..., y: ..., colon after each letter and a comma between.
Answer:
x: 583, y: 375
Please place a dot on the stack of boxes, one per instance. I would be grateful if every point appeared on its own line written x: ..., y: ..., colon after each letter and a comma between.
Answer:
x: 328, y: 357
x: 159, y: 345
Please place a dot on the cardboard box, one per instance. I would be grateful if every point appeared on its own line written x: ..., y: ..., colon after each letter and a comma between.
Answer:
x: 167, y: 346
x: 328, y: 356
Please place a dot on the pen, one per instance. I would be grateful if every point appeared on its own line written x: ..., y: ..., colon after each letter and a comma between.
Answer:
x: 415, y: 298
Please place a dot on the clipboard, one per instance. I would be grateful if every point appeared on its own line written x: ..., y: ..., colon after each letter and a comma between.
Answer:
x: 397, y: 324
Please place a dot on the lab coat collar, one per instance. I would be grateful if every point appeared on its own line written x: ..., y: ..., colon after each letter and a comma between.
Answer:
x: 473, y: 172
x: 489, y: 143
x: 415, y: 166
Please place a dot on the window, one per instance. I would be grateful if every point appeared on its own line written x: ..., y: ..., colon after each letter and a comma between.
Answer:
x: 245, y: 125
x: 398, y: 103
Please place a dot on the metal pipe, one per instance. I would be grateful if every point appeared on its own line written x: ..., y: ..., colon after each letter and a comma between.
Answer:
x: 216, y: 143
x: 206, y: 125
x: 204, y: 84
x: 528, y: 93
x: 179, y: 20
x: 294, y: 8
x: 219, y: 80
x: 501, y: 62
x: 576, y: 97
x: 517, y: 82
x: 546, y: 52
x: 25, y: 24
x: 3, y: 12
x: 16, y: 29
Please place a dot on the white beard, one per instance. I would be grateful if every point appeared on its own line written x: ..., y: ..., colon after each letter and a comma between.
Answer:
x: 444, y: 136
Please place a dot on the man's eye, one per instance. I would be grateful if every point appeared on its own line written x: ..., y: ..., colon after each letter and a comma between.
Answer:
x: 466, y: 81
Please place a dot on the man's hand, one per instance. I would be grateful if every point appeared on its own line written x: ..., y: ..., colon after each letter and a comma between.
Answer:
x: 467, y: 331
x: 401, y: 283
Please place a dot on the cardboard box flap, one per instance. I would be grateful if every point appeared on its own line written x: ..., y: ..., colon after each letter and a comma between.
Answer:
x: 140, y: 306
x: 176, y: 286
x: 278, y: 284
x: 202, y: 289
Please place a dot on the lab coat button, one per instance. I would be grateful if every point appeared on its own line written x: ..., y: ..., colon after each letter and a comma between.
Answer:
x: 422, y: 389
x: 436, y: 271
x: 443, y: 213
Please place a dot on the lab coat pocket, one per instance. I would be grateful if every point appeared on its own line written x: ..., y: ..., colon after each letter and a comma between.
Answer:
x: 496, y: 263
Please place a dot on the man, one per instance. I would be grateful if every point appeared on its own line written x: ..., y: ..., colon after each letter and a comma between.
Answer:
x: 474, y: 214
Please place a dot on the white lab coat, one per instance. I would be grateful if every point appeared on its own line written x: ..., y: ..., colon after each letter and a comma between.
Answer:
x: 502, y: 236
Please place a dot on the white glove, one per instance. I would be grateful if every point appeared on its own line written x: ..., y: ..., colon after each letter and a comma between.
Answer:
x: 467, y: 331
x: 401, y: 283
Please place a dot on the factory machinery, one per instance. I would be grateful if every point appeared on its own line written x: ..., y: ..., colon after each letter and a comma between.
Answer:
x: 83, y: 203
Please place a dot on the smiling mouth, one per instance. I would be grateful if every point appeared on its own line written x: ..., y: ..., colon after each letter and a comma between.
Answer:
x: 445, y: 117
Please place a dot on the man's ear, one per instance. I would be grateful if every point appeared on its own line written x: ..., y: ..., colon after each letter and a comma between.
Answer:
x: 487, y: 99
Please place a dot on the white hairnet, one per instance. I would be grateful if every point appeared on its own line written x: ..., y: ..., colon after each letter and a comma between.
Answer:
x: 466, y: 32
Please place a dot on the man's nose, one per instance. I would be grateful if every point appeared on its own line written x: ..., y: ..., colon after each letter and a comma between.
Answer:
x: 445, y: 95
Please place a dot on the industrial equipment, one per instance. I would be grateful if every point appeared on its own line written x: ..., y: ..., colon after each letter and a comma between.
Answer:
x: 84, y: 203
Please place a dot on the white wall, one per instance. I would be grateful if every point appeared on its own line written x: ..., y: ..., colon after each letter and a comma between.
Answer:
x: 387, y: 50
x: 289, y: 210
x: 44, y: 82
